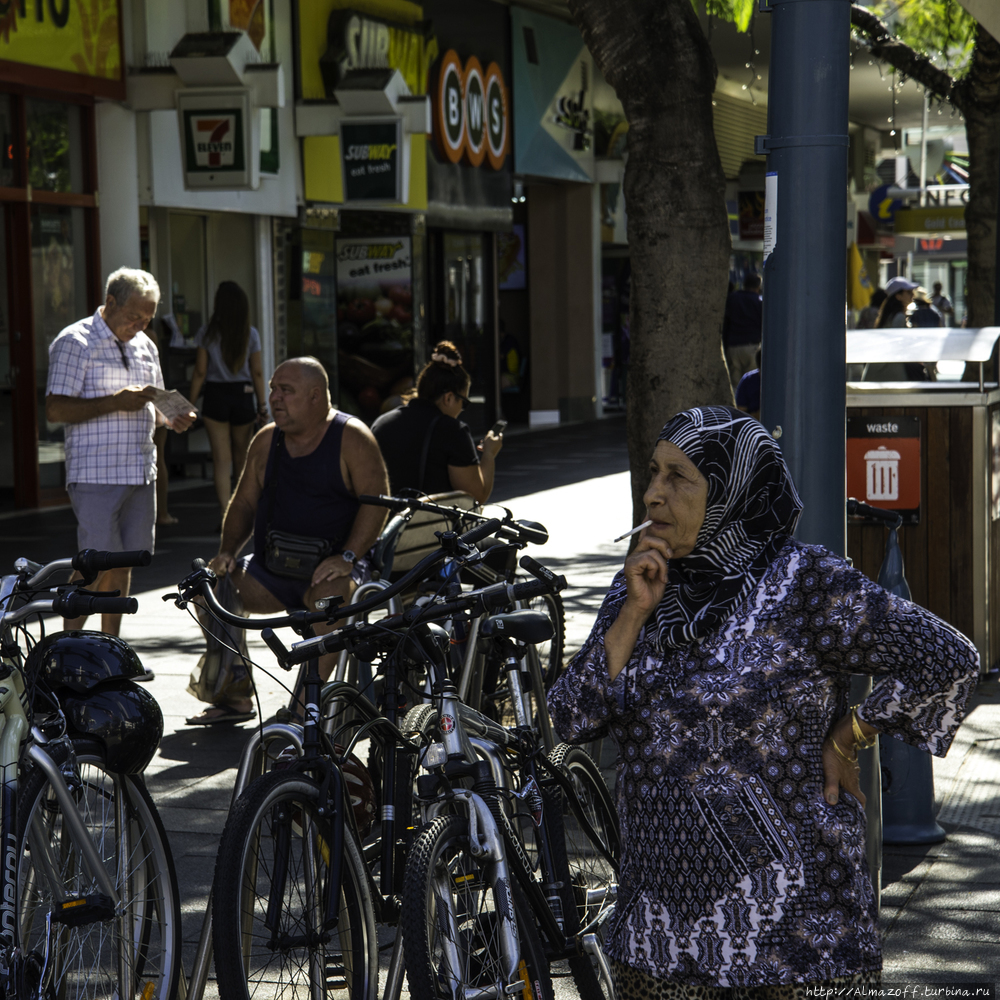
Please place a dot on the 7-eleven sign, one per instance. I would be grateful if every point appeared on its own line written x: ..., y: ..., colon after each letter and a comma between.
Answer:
x: 220, y: 139
x: 214, y: 140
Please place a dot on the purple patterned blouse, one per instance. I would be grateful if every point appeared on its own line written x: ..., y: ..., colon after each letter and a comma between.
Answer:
x: 735, y: 869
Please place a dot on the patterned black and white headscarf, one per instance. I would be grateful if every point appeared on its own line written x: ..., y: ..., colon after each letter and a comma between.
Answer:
x: 750, y: 511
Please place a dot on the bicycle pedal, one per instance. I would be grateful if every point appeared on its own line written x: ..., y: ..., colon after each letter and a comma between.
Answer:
x: 80, y: 910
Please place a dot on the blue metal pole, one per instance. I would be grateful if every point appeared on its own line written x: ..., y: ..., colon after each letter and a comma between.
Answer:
x: 803, y: 394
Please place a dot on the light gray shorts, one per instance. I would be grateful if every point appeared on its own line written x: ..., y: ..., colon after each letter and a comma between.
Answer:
x: 114, y: 518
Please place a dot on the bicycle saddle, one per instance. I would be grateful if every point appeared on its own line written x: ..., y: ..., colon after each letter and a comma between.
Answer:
x: 528, y: 626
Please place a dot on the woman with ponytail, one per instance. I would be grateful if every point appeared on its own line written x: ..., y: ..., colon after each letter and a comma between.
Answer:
x: 426, y: 446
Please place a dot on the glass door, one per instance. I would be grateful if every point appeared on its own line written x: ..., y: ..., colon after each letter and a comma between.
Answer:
x: 59, y: 298
x: 468, y: 318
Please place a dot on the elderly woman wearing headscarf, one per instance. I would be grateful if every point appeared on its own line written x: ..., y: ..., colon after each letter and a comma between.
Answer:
x: 720, y: 664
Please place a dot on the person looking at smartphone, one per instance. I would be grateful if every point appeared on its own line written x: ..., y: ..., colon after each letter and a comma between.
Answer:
x: 426, y: 446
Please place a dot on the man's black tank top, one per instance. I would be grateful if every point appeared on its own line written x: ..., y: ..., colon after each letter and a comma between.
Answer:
x: 310, y: 497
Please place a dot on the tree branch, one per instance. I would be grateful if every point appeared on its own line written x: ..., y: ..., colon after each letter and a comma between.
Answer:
x: 884, y: 45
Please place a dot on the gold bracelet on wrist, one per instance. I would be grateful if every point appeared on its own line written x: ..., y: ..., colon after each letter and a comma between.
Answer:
x: 860, y: 739
x: 842, y: 754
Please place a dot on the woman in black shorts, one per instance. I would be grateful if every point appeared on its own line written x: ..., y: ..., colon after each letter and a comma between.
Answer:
x: 228, y: 365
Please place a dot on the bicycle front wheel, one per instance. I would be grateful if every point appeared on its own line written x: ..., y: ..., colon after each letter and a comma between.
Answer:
x: 280, y: 927
x: 451, y: 921
x: 86, y: 952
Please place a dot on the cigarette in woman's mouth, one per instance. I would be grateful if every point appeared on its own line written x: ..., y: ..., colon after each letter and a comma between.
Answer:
x: 638, y: 527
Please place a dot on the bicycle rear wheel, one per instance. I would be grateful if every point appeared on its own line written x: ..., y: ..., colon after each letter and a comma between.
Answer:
x: 79, y: 958
x: 450, y: 921
x: 585, y: 850
x: 271, y: 900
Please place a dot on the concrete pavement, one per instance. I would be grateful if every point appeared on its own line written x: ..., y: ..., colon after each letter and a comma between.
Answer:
x: 941, y: 905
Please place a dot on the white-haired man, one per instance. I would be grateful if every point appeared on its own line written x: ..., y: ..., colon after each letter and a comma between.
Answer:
x: 102, y: 374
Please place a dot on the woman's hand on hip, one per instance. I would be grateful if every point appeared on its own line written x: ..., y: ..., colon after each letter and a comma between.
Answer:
x: 646, y: 573
x: 839, y: 772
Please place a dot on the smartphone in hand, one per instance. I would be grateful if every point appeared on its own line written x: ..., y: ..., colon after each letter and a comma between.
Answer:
x: 498, y: 427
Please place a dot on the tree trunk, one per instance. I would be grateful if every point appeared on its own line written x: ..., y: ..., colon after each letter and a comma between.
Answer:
x: 981, y: 106
x: 655, y: 55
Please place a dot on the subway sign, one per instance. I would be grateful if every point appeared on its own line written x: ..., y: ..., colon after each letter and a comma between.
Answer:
x: 371, y: 165
x: 471, y: 112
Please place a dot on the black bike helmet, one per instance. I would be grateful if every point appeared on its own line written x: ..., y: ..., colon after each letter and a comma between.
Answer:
x: 123, y: 717
x: 80, y: 660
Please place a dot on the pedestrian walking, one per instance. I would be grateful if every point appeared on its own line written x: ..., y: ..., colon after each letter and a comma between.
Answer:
x: 103, y: 375
x: 228, y: 366
x: 426, y: 446
x: 868, y: 316
x: 741, y: 327
x: 720, y: 663
x: 942, y: 303
x: 924, y: 314
x: 898, y: 296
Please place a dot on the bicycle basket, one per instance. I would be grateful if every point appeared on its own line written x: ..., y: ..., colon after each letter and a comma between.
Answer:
x: 417, y: 539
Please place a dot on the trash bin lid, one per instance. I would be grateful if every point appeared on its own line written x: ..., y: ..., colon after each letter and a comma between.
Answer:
x: 943, y: 343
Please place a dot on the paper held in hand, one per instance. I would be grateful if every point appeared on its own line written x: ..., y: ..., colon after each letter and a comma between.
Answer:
x: 171, y: 404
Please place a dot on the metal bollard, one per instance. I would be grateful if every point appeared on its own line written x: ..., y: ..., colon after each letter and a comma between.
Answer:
x: 907, y: 773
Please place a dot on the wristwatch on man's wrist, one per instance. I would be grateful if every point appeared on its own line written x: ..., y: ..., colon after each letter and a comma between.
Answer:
x: 349, y: 556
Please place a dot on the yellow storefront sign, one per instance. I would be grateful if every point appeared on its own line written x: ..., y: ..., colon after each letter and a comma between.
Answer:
x: 407, y: 49
x: 924, y: 221
x: 73, y: 36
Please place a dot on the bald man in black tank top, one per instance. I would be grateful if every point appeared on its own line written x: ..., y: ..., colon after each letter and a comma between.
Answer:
x: 325, y: 460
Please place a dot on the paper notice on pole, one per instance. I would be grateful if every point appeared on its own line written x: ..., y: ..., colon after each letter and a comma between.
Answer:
x: 770, y: 212
x: 171, y: 404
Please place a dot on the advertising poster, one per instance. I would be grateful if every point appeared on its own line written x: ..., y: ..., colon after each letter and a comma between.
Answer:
x: 751, y: 209
x: 374, y: 323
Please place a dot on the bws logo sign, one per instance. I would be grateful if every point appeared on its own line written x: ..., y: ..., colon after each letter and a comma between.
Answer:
x: 215, y: 141
x: 471, y: 112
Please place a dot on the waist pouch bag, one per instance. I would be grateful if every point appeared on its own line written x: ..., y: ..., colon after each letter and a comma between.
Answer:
x: 294, y: 557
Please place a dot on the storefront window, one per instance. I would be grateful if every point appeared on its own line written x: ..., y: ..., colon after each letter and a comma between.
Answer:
x: 59, y: 298
x: 55, y: 153
x: 187, y: 273
x: 311, y: 305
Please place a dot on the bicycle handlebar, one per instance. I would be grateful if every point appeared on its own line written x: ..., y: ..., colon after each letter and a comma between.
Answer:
x: 892, y: 518
x: 93, y: 561
x: 76, y: 605
x: 518, y: 531
x: 88, y: 562
x: 72, y: 605
x: 485, y: 601
x: 203, y: 585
